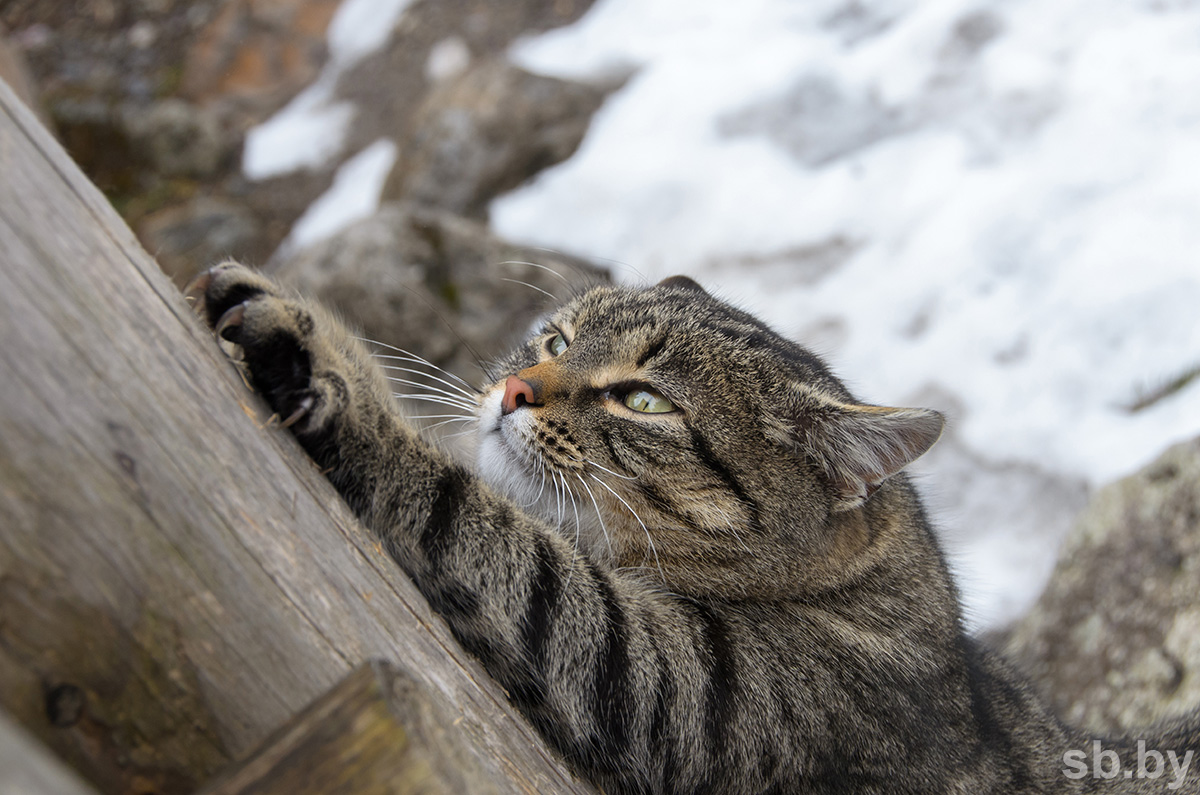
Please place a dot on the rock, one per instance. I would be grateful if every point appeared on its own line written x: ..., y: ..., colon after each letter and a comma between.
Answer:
x: 179, y: 138
x: 189, y: 237
x: 485, y: 131
x: 434, y: 283
x: 254, y: 55
x: 109, y: 74
x: 433, y: 46
x: 1114, y: 641
x: 153, y: 99
x: 92, y: 133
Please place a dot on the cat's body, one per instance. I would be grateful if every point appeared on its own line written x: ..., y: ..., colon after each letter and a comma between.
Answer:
x: 721, y: 581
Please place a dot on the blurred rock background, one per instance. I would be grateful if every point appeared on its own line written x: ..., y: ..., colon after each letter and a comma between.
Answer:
x: 1114, y: 640
x: 154, y: 99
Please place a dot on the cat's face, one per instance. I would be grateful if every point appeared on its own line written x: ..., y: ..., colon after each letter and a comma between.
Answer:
x: 661, y: 426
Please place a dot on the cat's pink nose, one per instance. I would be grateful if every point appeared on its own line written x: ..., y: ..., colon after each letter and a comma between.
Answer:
x: 517, y: 393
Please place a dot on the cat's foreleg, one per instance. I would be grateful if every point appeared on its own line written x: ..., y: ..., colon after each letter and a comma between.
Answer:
x: 603, y: 667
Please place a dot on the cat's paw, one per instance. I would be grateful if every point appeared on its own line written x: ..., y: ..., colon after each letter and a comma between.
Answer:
x: 284, y: 350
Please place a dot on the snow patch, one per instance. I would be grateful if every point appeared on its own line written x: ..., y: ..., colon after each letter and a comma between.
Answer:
x: 1009, y: 189
x: 354, y: 195
x: 448, y: 58
x: 311, y: 129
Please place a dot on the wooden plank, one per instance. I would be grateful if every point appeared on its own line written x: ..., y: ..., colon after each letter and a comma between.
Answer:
x: 182, y: 568
x: 376, y: 733
x: 26, y: 768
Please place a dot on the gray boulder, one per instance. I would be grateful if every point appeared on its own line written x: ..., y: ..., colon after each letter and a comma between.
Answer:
x: 486, y: 131
x: 178, y: 138
x: 191, y: 236
x: 1114, y: 641
x: 435, y: 283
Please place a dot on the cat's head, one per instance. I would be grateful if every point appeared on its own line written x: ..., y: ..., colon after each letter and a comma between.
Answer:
x: 665, y: 429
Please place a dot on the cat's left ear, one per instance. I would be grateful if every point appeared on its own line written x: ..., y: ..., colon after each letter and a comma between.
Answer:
x: 860, y: 447
x: 682, y: 283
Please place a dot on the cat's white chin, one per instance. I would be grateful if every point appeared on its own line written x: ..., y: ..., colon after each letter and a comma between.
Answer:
x: 500, y: 456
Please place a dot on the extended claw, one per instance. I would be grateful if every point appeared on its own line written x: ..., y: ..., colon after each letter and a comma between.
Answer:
x: 197, y: 288
x: 305, y: 406
x: 232, y: 317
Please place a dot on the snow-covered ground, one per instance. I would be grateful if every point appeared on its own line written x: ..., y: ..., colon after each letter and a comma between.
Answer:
x: 992, y: 208
x: 995, y: 206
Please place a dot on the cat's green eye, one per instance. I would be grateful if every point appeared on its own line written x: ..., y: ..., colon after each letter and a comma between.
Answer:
x: 557, y: 345
x: 646, y: 401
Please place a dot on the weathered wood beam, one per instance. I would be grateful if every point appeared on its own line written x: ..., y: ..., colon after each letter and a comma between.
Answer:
x: 376, y: 733
x: 176, y: 579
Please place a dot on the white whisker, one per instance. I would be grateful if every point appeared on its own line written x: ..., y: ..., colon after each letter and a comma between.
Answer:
x: 432, y: 389
x: 457, y: 434
x: 471, y: 393
x: 646, y: 530
x: 542, y: 486
x: 536, y: 265
x: 414, y: 358
x: 574, y: 506
x: 575, y: 545
x: 537, y: 462
x: 551, y: 296
x: 447, y: 422
x: 599, y: 513
x: 606, y: 469
x: 560, y: 500
x: 435, y: 399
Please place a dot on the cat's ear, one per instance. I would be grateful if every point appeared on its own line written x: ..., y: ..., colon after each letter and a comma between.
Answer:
x: 682, y: 283
x: 858, y: 446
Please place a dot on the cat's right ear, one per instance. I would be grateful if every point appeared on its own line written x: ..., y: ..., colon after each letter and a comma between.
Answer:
x: 859, y: 446
x: 682, y: 283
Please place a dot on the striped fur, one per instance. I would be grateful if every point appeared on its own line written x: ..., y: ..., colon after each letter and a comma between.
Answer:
x: 740, y: 596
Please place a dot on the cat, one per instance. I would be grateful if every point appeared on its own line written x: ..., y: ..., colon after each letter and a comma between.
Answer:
x: 686, y: 551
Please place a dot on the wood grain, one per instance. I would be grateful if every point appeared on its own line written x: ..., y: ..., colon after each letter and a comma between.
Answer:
x: 176, y: 579
x: 375, y: 733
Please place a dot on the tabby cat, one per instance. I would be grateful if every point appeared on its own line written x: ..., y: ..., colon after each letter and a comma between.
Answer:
x: 687, y: 552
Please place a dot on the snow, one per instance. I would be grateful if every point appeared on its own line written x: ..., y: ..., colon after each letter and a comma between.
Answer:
x: 310, y: 130
x: 361, y: 27
x: 354, y: 194
x: 448, y: 58
x: 305, y: 134
x: 987, y: 206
